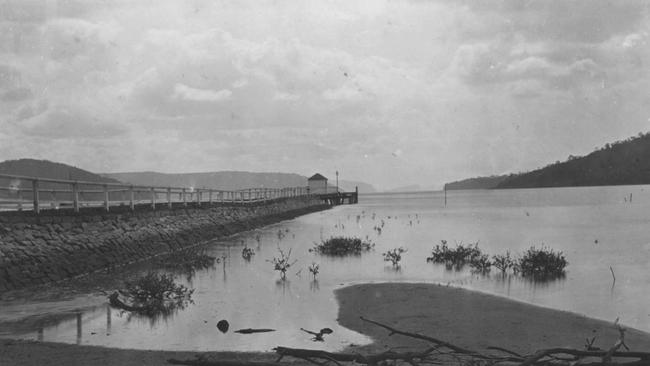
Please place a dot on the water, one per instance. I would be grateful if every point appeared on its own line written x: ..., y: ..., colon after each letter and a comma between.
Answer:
x: 596, y: 227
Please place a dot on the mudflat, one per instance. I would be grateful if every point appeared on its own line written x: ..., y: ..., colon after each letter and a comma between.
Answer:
x: 469, y: 319
x: 465, y: 318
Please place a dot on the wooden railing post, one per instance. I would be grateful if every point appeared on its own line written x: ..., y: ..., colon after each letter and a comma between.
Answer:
x: 153, y: 198
x: 53, y: 199
x: 35, y: 196
x: 184, y: 197
x: 169, y: 197
x: 19, y: 193
x: 131, y: 198
x: 75, y: 197
x: 210, y: 196
x: 106, y: 198
x: 198, y: 197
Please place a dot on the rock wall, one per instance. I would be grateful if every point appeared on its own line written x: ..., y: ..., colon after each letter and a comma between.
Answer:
x: 51, y: 247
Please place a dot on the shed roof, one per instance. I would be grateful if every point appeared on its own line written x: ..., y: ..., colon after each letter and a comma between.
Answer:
x: 317, y: 177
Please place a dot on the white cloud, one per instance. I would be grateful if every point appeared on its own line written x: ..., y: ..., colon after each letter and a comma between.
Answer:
x: 61, y: 122
x: 346, y: 92
x: 200, y: 95
x: 286, y: 96
x: 240, y: 83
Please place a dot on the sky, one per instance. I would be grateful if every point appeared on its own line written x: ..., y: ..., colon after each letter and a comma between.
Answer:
x: 392, y: 93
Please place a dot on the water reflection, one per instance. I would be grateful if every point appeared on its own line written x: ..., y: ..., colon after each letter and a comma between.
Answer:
x: 79, y: 328
x: 283, y: 286
x: 108, y: 319
x: 314, y: 286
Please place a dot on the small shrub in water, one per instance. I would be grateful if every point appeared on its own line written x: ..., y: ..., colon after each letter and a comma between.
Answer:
x: 480, y: 263
x: 503, y: 262
x: 153, y: 295
x: 342, y: 246
x: 247, y: 253
x: 394, y: 255
x: 458, y: 256
x: 542, y: 262
x: 283, y: 263
x: 155, y: 286
x: 314, y: 269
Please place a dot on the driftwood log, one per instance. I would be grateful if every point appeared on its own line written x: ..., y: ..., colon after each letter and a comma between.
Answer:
x: 445, y: 353
x: 254, y: 330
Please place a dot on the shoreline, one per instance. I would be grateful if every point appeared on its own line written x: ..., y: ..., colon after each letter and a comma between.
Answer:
x: 465, y: 318
x: 470, y: 319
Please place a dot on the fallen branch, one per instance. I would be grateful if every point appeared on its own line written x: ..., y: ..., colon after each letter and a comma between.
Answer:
x: 200, y: 362
x: 253, y: 330
x: 307, y: 354
x: 445, y: 353
x: 427, y: 338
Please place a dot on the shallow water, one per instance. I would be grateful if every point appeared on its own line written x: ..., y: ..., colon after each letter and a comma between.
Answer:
x: 596, y: 227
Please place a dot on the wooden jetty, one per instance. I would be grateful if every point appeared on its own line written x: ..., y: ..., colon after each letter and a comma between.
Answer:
x: 18, y: 193
x: 340, y: 198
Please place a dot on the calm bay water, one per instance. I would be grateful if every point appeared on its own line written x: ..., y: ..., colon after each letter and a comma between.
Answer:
x: 596, y: 227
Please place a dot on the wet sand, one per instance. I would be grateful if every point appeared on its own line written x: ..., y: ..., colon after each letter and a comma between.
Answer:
x: 469, y: 319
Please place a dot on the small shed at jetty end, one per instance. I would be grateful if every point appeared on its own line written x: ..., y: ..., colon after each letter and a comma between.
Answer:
x: 317, y: 184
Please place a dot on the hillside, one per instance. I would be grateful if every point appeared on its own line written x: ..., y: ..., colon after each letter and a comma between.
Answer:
x: 620, y: 163
x: 49, y: 169
x: 226, y: 180
x: 44, y: 169
x: 477, y: 183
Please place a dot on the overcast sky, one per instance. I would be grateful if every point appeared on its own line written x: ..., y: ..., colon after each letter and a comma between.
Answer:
x: 392, y: 93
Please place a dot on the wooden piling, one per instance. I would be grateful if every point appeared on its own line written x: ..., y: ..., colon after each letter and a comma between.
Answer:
x: 35, y: 196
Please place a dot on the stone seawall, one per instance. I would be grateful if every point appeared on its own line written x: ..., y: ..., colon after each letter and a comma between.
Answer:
x: 46, y: 248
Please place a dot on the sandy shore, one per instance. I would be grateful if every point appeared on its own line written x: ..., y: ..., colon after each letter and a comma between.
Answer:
x: 465, y: 318
x: 470, y: 319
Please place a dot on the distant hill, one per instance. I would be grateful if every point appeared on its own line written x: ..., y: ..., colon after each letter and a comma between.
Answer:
x: 45, y: 169
x: 477, y: 183
x: 49, y: 169
x: 619, y: 163
x: 226, y: 180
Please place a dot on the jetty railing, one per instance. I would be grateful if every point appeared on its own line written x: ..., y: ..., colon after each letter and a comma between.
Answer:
x: 18, y: 193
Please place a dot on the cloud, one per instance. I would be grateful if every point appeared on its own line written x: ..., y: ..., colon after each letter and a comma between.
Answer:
x: 71, y: 37
x: 16, y: 95
x: 200, y: 95
x: 286, y: 96
x: 70, y: 123
x: 588, y: 21
x: 346, y: 92
x: 10, y: 76
x: 240, y: 83
x: 634, y: 39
